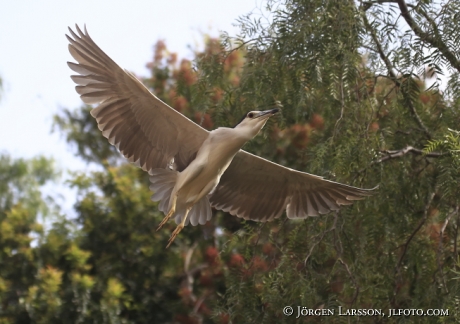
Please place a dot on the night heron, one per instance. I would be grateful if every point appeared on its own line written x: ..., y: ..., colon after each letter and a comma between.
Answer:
x: 191, y: 169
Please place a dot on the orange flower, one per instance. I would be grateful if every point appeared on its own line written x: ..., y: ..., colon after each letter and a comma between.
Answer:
x: 374, y: 127
x: 180, y: 104
x: 207, y: 121
x: 236, y: 260
x: 300, y: 135
x: 317, y: 121
x: 212, y: 255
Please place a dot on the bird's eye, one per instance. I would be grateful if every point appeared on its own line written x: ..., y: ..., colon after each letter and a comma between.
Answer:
x: 251, y: 115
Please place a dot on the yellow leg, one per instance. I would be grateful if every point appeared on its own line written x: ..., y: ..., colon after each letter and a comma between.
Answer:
x: 178, y: 228
x: 170, y: 213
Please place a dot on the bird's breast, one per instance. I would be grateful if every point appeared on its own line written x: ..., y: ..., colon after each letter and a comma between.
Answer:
x: 213, y: 158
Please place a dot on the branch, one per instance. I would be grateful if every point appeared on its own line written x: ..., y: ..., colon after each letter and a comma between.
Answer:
x: 404, y: 151
x: 244, y: 43
x: 385, y: 98
x: 440, y: 248
x: 365, y: 5
x: 455, y: 239
x: 435, y: 42
x: 187, y: 277
x: 332, y: 228
x: 399, y: 153
x: 352, y: 277
x: 369, y: 48
x: 339, y: 249
x: 390, y: 69
x: 342, y: 105
x: 406, y: 245
x: 428, y: 18
x: 193, y: 272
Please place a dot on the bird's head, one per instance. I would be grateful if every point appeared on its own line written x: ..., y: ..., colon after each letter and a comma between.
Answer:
x: 251, y: 124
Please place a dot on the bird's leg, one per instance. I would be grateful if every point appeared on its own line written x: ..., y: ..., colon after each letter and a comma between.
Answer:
x: 170, y: 213
x: 178, y: 228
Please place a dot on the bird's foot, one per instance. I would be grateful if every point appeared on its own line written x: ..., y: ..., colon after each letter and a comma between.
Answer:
x: 167, y: 217
x: 175, y: 233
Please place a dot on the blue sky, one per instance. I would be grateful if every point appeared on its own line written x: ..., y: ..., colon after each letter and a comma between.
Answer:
x: 33, y: 56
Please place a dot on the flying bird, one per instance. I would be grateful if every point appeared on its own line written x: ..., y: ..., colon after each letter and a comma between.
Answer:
x: 191, y: 169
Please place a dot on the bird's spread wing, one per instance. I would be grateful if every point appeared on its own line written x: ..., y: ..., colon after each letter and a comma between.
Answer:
x: 257, y: 189
x: 146, y: 130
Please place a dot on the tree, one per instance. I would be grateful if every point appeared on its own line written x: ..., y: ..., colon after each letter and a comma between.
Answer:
x: 360, y: 87
x: 364, y: 73
x: 21, y: 203
x: 131, y: 277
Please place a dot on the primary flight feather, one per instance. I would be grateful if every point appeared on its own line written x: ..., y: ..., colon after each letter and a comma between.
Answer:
x: 191, y: 169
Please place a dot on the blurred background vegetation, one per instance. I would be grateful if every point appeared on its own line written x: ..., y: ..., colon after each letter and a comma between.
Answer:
x: 371, y: 95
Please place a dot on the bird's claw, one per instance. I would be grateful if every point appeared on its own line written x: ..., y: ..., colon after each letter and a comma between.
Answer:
x: 174, y: 234
x: 167, y: 217
x: 162, y: 223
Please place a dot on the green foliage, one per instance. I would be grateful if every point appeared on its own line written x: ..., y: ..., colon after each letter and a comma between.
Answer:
x: 80, y: 127
x: 20, y: 182
x: 358, y: 83
x: 449, y: 169
x: 21, y: 202
x: 366, y: 76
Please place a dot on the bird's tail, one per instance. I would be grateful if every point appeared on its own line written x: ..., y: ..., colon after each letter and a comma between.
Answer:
x: 162, y: 184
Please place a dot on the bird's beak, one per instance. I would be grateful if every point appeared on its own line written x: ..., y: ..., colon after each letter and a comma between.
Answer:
x: 268, y: 113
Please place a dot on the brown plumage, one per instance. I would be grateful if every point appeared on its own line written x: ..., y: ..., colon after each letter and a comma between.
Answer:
x: 192, y: 169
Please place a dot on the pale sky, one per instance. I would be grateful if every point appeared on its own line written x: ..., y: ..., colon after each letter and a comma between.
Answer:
x: 33, y: 56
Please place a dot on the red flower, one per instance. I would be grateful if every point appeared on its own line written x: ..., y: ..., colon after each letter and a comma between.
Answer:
x: 236, y: 260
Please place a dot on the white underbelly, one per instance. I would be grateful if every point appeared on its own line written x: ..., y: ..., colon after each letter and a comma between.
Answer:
x: 212, y: 160
x: 200, y: 187
x: 203, y: 184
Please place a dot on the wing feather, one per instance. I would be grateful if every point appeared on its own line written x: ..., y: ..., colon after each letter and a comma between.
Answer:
x: 151, y: 134
x: 145, y: 129
x: 260, y: 190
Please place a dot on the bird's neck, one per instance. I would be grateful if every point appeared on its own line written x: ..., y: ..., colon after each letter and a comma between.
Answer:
x: 248, y: 131
x: 229, y: 139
